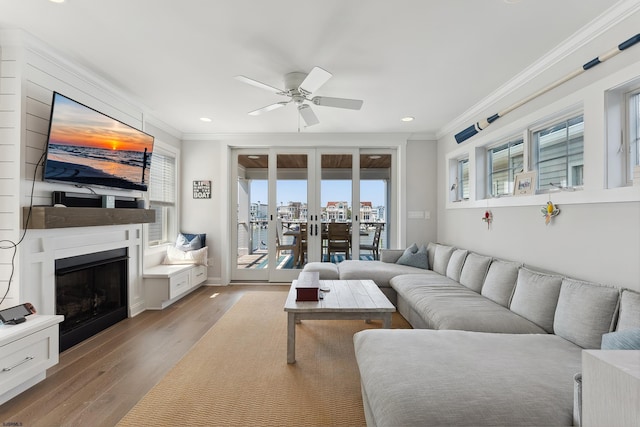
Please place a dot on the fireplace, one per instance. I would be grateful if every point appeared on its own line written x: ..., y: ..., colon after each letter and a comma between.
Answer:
x: 91, y: 293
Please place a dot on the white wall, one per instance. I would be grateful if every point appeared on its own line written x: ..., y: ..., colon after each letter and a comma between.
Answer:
x: 209, y: 159
x: 29, y: 73
x: 421, y: 171
x: 597, y: 235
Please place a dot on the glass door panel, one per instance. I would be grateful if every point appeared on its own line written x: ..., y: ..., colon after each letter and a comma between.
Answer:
x: 336, y: 206
x: 291, y: 194
x: 251, y: 235
x: 375, y: 174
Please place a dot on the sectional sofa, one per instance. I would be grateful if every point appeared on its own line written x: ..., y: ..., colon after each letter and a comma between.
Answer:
x: 494, y: 342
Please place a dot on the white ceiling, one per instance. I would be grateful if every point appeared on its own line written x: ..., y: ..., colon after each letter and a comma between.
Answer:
x: 431, y: 59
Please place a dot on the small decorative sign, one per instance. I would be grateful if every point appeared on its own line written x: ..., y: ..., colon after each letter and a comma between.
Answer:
x: 201, y: 189
x: 525, y: 184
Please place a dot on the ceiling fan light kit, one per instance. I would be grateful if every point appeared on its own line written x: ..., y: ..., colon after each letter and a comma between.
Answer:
x: 299, y: 87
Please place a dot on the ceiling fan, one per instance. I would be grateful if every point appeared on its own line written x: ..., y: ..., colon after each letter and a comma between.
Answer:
x: 298, y: 87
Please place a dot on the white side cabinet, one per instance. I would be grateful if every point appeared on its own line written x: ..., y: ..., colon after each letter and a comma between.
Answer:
x: 27, y: 350
x: 610, y: 388
x: 165, y: 284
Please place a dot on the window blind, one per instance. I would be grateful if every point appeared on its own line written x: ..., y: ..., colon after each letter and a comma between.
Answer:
x: 162, y: 181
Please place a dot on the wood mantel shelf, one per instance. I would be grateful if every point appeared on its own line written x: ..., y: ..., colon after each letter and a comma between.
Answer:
x: 45, y: 217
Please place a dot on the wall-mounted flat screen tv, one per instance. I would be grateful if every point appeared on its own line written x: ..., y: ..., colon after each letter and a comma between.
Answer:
x: 88, y: 148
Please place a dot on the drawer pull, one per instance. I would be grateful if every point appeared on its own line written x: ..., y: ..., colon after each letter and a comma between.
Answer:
x: 26, y: 359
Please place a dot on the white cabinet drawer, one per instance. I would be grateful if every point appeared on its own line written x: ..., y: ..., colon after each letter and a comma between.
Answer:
x: 198, y: 274
x: 27, y: 357
x: 179, y: 283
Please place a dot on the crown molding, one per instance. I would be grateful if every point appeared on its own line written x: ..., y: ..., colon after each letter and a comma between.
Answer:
x: 613, y: 16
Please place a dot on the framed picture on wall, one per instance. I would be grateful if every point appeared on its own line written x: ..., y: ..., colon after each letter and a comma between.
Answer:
x: 201, y: 189
x: 525, y: 184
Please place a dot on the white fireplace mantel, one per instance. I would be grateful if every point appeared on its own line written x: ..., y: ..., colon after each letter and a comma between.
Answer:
x: 41, y: 248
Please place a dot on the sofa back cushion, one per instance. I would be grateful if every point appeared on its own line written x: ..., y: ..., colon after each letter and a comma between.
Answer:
x: 629, y: 315
x: 536, y: 296
x: 431, y: 253
x: 415, y: 257
x: 474, y: 271
x: 455, y: 264
x: 441, y: 258
x: 500, y: 281
x: 585, y: 312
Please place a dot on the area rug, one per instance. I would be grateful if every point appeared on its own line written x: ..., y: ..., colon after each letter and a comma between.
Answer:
x: 237, y: 374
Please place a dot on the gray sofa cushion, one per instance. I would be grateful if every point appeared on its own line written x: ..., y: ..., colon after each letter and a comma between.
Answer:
x: 536, y: 296
x: 431, y: 253
x: 415, y: 257
x: 585, y: 312
x: 474, y: 271
x: 390, y: 255
x: 378, y: 271
x: 441, y: 303
x: 463, y: 378
x: 500, y: 281
x: 455, y: 264
x: 629, y: 316
x: 441, y: 259
x: 327, y: 270
x: 628, y: 339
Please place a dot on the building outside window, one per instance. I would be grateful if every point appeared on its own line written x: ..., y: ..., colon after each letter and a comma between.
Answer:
x: 558, y: 154
x: 162, y: 198
x: 504, y: 161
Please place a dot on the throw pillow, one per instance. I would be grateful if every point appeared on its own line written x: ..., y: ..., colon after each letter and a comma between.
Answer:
x: 415, y: 257
x: 629, y: 310
x: 628, y: 339
x: 185, y: 244
x: 176, y: 256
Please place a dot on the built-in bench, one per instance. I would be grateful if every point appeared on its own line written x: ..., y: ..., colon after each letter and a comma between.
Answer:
x: 166, y: 284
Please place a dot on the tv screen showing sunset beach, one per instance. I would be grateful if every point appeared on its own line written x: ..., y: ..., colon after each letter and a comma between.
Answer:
x: 86, y: 147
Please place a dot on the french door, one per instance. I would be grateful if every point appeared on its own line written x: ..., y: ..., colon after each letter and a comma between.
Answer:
x: 288, y: 198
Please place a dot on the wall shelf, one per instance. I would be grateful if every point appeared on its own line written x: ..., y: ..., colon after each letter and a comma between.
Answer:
x: 46, y: 217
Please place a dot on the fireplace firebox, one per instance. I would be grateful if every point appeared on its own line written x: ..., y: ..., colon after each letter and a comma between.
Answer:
x: 91, y: 294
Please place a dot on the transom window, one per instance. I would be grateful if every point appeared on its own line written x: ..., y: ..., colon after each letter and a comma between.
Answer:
x: 504, y: 162
x: 463, y: 179
x: 558, y: 154
x: 633, y: 106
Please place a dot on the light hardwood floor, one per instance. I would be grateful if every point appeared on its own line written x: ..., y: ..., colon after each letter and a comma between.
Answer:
x: 99, y: 380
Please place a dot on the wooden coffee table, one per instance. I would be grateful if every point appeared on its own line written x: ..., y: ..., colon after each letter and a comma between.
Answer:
x: 346, y: 300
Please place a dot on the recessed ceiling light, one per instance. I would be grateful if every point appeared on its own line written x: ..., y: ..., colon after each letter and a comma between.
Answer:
x: 205, y: 119
x: 407, y: 119
x: 375, y: 157
x: 254, y: 157
x: 56, y: 1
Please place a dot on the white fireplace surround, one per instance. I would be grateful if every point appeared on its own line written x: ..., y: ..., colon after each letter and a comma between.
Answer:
x: 41, y: 248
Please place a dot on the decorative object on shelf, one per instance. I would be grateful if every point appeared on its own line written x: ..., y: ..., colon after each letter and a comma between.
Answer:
x: 488, y: 218
x: 481, y: 125
x: 201, y: 189
x: 549, y: 211
x: 525, y: 184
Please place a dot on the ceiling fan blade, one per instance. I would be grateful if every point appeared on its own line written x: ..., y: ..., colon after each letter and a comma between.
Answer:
x: 268, y: 108
x: 308, y: 115
x: 258, y: 84
x: 314, y: 80
x: 327, y: 101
